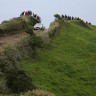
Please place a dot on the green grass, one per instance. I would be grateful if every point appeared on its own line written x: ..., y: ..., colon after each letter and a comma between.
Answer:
x: 16, y: 25
x: 68, y: 66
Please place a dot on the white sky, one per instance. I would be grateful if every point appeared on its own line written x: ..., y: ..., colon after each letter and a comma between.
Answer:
x: 85, y: 9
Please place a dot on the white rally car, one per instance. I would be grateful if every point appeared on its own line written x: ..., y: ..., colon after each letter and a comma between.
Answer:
x: 38, y: 26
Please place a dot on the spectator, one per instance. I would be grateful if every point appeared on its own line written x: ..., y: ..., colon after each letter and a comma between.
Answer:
x: 89, y: 23
x: 65, y: 16
x: 29, y: 12
x: 39, y: 19
x: 62, y: 16
x: 26, y: 13
x: 72, y: 18
x: 22, y: 14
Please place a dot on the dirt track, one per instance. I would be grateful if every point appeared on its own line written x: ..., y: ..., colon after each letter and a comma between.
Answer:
x: 10, y: 40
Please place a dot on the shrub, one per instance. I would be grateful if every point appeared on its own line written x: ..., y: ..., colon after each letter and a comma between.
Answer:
x: 57, y: 16
x: 30, y: 45
x: 5, y: 21
x: 35, y: 42
x: 2, y: 84
x: 53, y: 29
x: 31, y: 21
x: 5, y: 65
x: 37, y: 92
x: 52, y: 33
x: 2, y: 32
x: 16, y: 24
x: 12, y: 54
x: 9, y: 58
x: 17, y: 81
x: 29, y: 30
x: 23, y: 47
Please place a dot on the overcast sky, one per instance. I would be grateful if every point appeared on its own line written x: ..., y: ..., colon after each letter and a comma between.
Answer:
x: 85, y: 9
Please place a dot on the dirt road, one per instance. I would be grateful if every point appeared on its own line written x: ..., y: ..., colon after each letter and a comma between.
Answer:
x: 10, y: 40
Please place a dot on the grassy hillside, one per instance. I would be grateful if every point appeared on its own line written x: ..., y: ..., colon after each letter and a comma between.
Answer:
x: 16, y: 25
x: 67, y: 67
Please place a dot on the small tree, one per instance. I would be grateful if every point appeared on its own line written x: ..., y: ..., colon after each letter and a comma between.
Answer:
x: 9, y: 58
x: 57, y: 16
x: 4, y: 64
x: 17, y: 81
x: 35, y: 41
x: 29, y: 30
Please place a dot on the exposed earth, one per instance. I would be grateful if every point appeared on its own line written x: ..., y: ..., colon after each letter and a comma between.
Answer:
x: 12, y: 39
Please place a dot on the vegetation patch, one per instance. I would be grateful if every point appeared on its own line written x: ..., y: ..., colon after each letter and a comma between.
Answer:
x: 17, y: 81
x: 81, y: 23
x: 53, y: 29
x: 37, y: 92
x: 67, y: 66
x: 16, y: 25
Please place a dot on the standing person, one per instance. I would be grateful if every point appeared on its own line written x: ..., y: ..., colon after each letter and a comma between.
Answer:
x: 26, y: 13
x: 72, y: 18
x: 62, y: 16
x: 38, y: 18
x: 33, y: 14
x: 30, y: 12
x: 22, y: 14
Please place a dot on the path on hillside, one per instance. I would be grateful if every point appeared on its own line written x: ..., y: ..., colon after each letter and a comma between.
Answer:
x: 10, y: 40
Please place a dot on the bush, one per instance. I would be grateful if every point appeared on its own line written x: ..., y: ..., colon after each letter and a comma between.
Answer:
x: 16, y: 24
x: 37, y: 92
x: 5, y: 65
x: 35, y: 42
x: 24, y: 47
x: 53, y: 29
x: 12, y: 54
x: 29, y: 46
x: 29, y: 30
x: 9, y: 58
x: 52, y: 33
x: 17, y: 81
x: 1, y: 32
x: 31, y: 21
x: 5, y: 21
x: 57, y: 16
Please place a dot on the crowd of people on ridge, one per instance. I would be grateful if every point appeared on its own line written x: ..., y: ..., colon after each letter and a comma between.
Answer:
x: 73, y: 18
x: 30, y: 13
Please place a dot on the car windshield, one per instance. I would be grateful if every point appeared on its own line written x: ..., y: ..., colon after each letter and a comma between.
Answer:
x: 38, y: 25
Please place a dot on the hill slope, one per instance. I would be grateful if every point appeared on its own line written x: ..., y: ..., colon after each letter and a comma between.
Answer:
x: 16, y: 25
x: 68, y: 66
